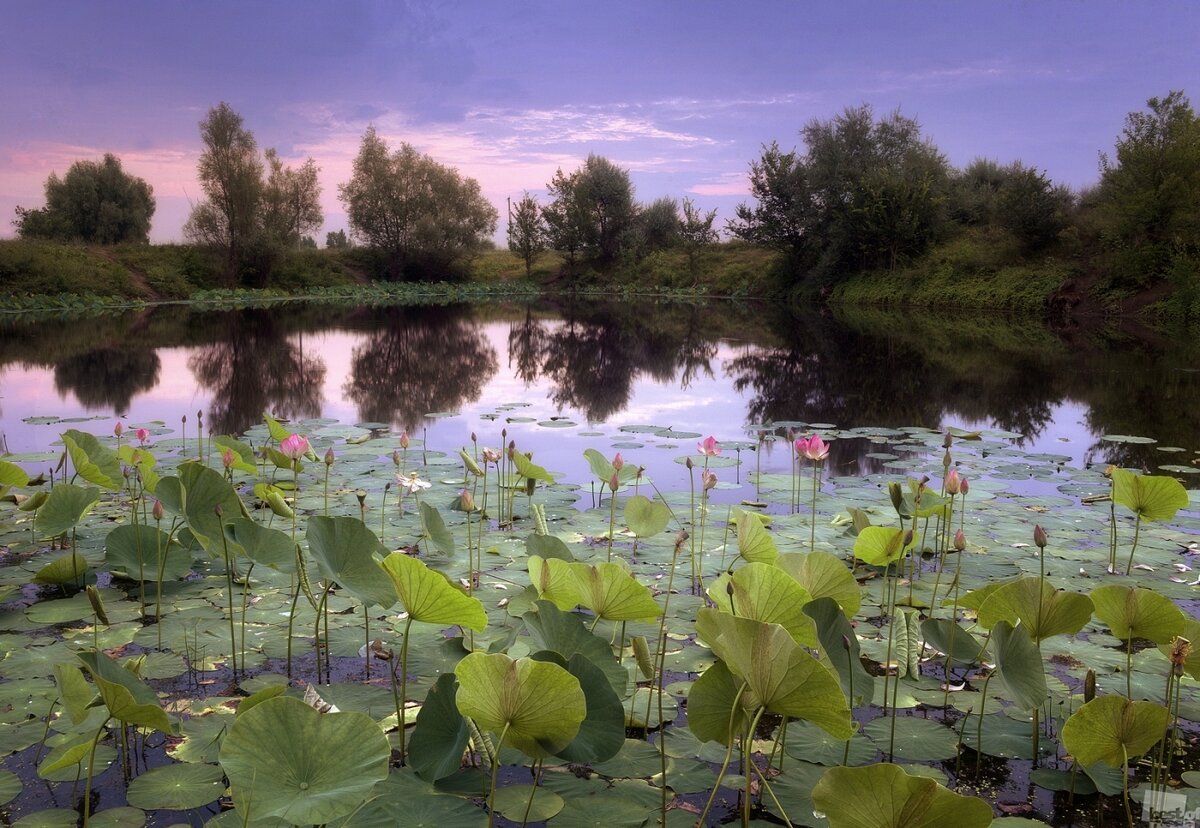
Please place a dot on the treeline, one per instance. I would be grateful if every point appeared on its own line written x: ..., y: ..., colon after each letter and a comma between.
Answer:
x: 865, y: 193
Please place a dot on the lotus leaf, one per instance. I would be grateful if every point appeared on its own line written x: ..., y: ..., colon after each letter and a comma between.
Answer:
x: 884, y: 796
x: 754, y: 541
x: 951, y: 640
x: 1112, y: 729
x: 564, y: 633
x: 1149, y: 497
x: 430, y: 596
x: 195, y: 493
x: 610, y: 591
x: 646, y: 517
x: 547, y: 546
x: 766, y: 593
x: 65, y: 569
x: 602, y: 732
x: 176, y: 787
x: 1055, y: 612
x: 286, y: 760
x: 530, y: 470
x: 1134, y: 612
x: 435, y: 529
x: 438, y: 741
x: 779, y: 674
x: 144, y: 462
x: 243, y: 455
x: 348, y: 552
x: 1019, y: 663
x: 714, y: 709
x: 126, y: 696
x: 1191, y: 634
x: 66, y: 506
x: 134, y: 551
x: 840, y: 648
x: 262, y: 544
x: 880, y: 545
x: 93, y: 462
x: 536, y: 706
x: 824, y: 575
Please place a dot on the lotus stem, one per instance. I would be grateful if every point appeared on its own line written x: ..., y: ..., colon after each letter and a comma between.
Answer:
x: 762, y: 778
x: 87, y: 791
x: 537, y: 773
x: 495, y: 768
x: 404, y: 700
x: 245, y: 603
x: 367, y: 634
x: 229, y: 582
x: 748, y: 763
x: 724, y: 765
x: 612, y: 521
x: 979, y: 727
x: 1137, y: 528
x: 812, y: 526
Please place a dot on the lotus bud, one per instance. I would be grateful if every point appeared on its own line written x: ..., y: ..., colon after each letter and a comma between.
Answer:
x: 531, y: 486
x: 466, y: 500
x: 474, y: 439
x: 947, y: 441
x: 158, y: 510
x: 387, y: 487
x: 93, y: 595
x: 227, y: 458
x: 896, y: 494
x: 118, y: 429
x: 294, y: 447
x: 618, y: 463
x: 512, y: 446
x: 1039, y: 537
x: 681, y: 539
x: 846, y: 643
x: 960, y: 541
x: 946, y: 461
x: 729, y: 588
x: 143, y: 434
x: 688, y: 462
x: 963, y: 486
x: 218, y: 511
x: 404, y: 441
x: 1089, y: 686
x: 908, y: 538
x: 953, y: 484
x: 396, y: 458
x: 614, y: 482
x: 709, y: 479
x: 641, y: 470
x: 125, y: 472
x: 1181, y: 650
x: 329, y: 456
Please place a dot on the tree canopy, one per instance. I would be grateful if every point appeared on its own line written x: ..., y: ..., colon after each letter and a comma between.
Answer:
x: 95, y: 202
x: 592, y: 210
x: 424, y: 216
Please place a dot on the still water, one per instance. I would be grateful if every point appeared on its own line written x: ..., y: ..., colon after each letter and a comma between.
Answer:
x: 561, y: 377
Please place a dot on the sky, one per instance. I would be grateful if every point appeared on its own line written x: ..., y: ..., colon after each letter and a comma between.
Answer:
x: 682, y: 94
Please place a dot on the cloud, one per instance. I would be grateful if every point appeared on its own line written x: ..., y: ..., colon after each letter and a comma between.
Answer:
x: 727, y: 184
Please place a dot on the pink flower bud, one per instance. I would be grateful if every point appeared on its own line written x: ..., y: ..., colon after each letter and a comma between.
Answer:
x: 329, y: 456
x: 294, y: 447
x: 157, y: 510
x: 618, y: 462
x: 963, y: 486
x: 709, y: 447
x: 953, y: 484
x: 1039, y: 537
x: 708, y: 479
x: 227, y: 458
x: 960, y: 541
x: 614, y: 483
x: 404, y: 441
x: 142, y: 434
x: 118, y: 429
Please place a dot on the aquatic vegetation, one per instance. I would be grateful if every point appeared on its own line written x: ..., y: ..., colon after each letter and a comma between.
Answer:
x: 706, y: 664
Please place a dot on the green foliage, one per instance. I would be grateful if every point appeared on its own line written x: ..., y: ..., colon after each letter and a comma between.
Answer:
x: 884, y: 796
x: 1014, y: 197
x: 422, y: 215
x: 591, y: 212
x: 527, y: 231
x: 95, y: 202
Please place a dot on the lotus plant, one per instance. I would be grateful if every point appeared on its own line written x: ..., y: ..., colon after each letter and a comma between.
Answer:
x: 815, y: 450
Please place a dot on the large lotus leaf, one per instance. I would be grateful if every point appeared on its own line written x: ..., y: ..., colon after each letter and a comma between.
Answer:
x: 602, y: 733
x: 430, y: 596
x: 346, y: 551
x: 262, y: 544
x: 604, y: 470
x: 275, y: 429
x: 880, y: 545
x: 1019, y: 662
x: 195, y: 493
x: 610, y: 591
x: 177, y: 787
x: 780, y: 675
x: 440, y: 737
x: 1134, y: 612
x: 840, y: 649
x: 547, y: 546
x: 952, y: 641
x: 1150, y: 497
x: 884, y: 796
x: 1112, y: 729
x: 530, y: 470
x: 537, y: 706
x: 126, y: 696
x: 243, y: 455
x: 93, y: 462
x: 65, y: 507
x: 65, y: 569
x: 144, y: 462
x: 646, y: 517
x: 564, y: 633
x: 10, y: 787
x: 1191, y: 634
x: 284, y: 759
x: 435, y: 529
x: 74, y: 691
x: 755, y: 543
x: 714, y: 707
x: 136, y: 551
x: 1056, y: 612
x: 12, y: 475
x: 554, y: 581
x: 975, y: 599
x: 824, y: 575
x: 766, y: 593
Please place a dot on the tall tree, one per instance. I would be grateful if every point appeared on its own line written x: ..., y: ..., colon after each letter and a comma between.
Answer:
x: 291, y: 207
x: 527, y: 231
x: 95, y: 202
x: 696, y: 231
x: 1150, y: 194
x: 231, y: 174
x: 564, y: 217
x: 424, y: 216
x: 592, y: 210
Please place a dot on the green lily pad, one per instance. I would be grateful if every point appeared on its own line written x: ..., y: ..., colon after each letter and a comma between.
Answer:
x: 919, y: 740
x: 884, y: 796
x: 176, y: 787
x: 1112, y: 729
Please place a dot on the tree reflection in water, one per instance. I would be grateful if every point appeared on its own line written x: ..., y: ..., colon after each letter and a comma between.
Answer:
x: 107, y: 378
x: 416, y: 361
x: 254, y: 367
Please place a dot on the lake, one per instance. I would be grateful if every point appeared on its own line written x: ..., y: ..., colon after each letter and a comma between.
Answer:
x: 620, y: 376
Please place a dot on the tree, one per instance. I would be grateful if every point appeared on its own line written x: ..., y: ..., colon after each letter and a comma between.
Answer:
x: 564, y: 217
x: 591, y: 211
x: 424, y: 216
x: 1149, y: 197
x: 865, y: 194
x: 696, y: 231
x: 1014, y: 197
x: 291, y: 204
x: 230, y: 174
x: 338, y: 240
x: 658, y: 224
x: 95, y: 202
x: 527, y: 231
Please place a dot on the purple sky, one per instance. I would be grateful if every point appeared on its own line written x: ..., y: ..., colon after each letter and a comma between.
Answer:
x: 681, y: 94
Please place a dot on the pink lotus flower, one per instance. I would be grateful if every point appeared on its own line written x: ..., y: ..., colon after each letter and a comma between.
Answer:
x: 963, y: 486
x: 227, y: 458
x: 618, y: 462
x: 294, y: 447
x: 491, y: 455
x: 813, y: 448
x: 953, y: 483
x: 709, y: 447
x: 143, y: 434
x: 708, y: 479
